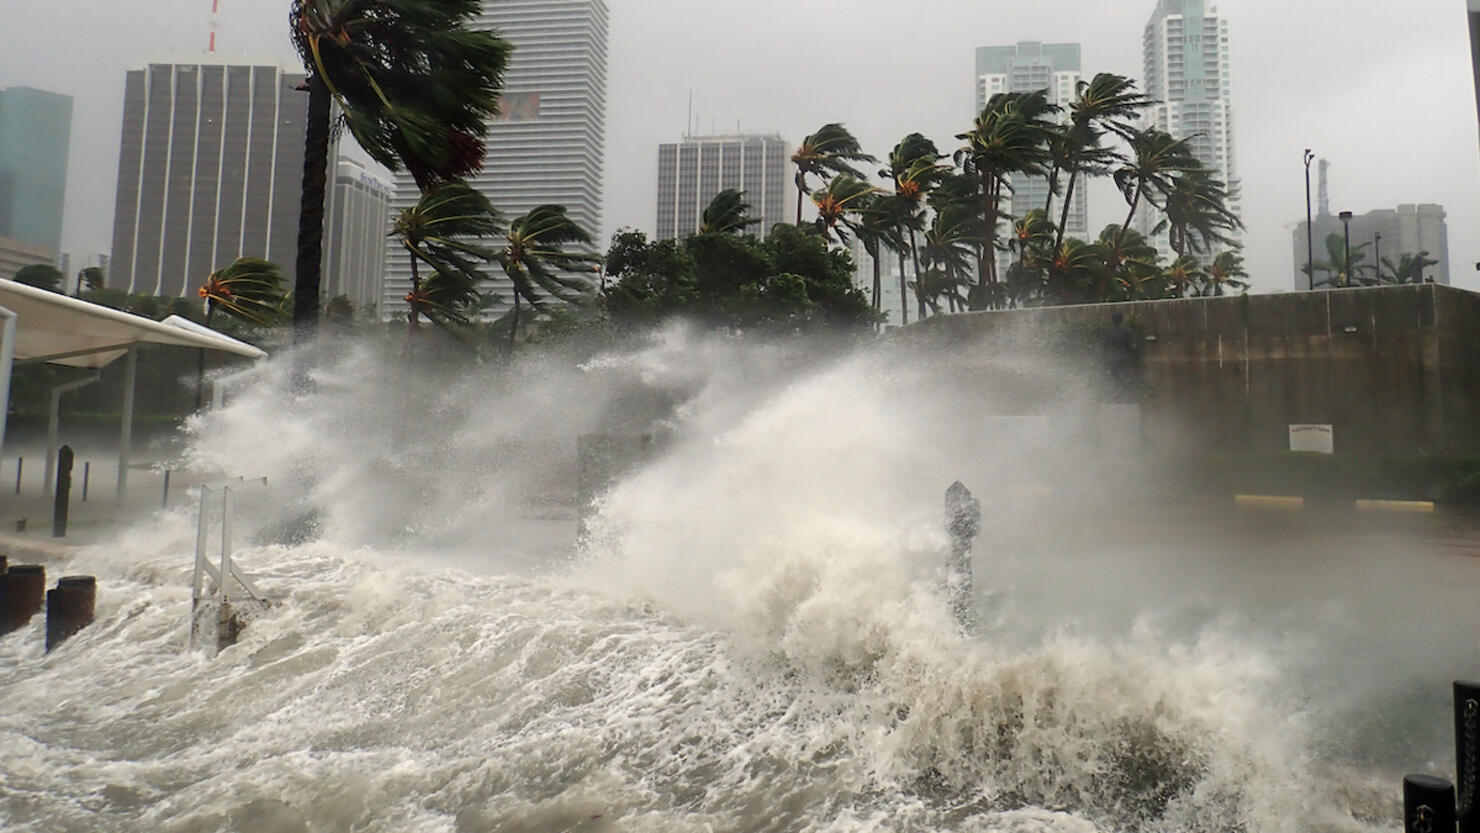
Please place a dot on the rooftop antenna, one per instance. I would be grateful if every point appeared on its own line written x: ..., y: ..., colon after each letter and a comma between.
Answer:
x: 1323, y: 205
x: 688, y: 128
x: 215, y: 7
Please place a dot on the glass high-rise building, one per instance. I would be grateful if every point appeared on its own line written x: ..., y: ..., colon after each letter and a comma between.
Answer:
x: 356, y: 222
x: 210, y: 169
x: 35, y: 135
x: 1185, y: 48
x: 548, y: 146
x: 692, y: 172
x: 1028, y: 67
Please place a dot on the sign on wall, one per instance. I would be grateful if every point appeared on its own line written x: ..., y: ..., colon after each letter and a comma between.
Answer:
x: 1315, y: 439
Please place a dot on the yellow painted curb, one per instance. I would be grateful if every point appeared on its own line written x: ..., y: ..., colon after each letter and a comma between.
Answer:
x: 1268, y: 502
x: 1411, y: 507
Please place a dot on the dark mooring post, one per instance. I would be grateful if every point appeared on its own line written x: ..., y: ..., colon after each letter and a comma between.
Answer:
x: 1428, y: 804
x: 69, y: 608
x: 1467, y: 753
x: 21, y: 596
x: 64, y: 492
x: 963, y: 522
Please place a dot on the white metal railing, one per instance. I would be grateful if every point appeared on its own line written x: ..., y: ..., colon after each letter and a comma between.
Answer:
x: 227, y: 568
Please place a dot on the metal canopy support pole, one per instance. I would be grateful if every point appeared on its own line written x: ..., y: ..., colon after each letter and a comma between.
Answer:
x: 126, y: 434
x: 7, y: 358
x: 54, y: 425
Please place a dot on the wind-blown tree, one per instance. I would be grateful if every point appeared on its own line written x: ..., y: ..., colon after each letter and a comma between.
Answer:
x: 1156, y: 158
x: 948, y: 247
x: 727, y: 213
x: 1225, y: 272
x: 1031, y: 239
x: 1196, y: 215
x: 443, y: 230
x: 250, y: 290
x: 1108, y: 103
x: 539, y: 265
x: 1009, y: 136
x: 90, y: 278
x: 1340, y: 272
x: 1184, y: 275
x: 877, y: 224
x: 844, y: 196
x: 1408, y: 269
x: 831, y: 151
x: 416, y: 85
x: 41, y: 276
x: 914, y: 169
x: 1132, y: 269
x: 1072, y: 269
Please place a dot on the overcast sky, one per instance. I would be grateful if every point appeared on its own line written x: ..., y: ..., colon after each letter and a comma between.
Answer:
x: 1381, y: 89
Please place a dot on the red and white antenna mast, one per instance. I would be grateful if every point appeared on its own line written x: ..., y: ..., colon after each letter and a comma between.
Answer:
x: 215, y: 7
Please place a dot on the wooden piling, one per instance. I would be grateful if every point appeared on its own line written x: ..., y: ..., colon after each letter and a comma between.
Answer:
x: 60, y: 505
x: 1428, y: 804
x: 69, y: 608
x: 1467, y: 754
x: 21, y: 596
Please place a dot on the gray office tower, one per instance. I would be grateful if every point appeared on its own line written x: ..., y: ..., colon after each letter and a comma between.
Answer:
x: 1028, y: 67
x: 548, y: 145
x: 692, y: 172
x: 210, y: 169
x: 35, y: 134
x: 358, y: 218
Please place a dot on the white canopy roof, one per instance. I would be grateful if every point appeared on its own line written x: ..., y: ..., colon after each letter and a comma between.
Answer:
x: 58, y: 329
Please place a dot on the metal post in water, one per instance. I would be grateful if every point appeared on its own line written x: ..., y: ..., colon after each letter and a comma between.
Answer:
x: 69, y: 608
x: 165, y: 501
x: 20, y: 466
x: 963, y: 522
x: 1467, y: 753
x: 21, y: 596
x: 86, y: 471
x: 1428, y: 804
x: 64, y: 492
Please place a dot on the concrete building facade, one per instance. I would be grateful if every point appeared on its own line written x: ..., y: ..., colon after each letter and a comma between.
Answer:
x: 1028, y: 67
x: 1186, y: 56
x: 357, y: 221
x: 210, y: 169
x: 35, y: 136
x: 549, y: 144
x: 693, y: 171
x: 1386, y: 233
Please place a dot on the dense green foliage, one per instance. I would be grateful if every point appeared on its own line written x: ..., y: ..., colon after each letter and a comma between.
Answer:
x: 41, y: 276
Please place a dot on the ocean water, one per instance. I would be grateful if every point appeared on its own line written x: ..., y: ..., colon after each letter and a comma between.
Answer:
x: 750, y: 636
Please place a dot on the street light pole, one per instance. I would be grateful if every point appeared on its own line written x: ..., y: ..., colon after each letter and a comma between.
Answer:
x: 1346, y: 266
x: 1377, y: 255
x: 1310, y: 238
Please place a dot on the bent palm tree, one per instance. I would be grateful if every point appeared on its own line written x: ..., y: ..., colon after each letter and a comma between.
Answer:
x: 844, y: 195
x: 948, y: 246
x: 1197, y: 215
x: 534, y: 257
x: 1408, y: 269
x: 1106, y: 103
x: 831, y: 150
x: 416, y: 86
x: 915, y: 170
x: 441, y: 230
x: 1226, y: 270
x: 249, y: 289
x: 727, y: 213
x: 1157, y: 157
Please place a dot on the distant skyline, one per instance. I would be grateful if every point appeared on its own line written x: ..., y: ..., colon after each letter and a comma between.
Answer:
x: 1387, y: 96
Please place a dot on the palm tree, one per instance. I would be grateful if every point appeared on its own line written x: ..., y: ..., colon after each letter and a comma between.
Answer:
x: 441, y: 230
x: 831, y: 150
x: 1132, y: 268
x: 1010, y: 136
x: 726, y: 214
x: 1196, y: 213
x: 1226, y: 270
x: 249, y: 290
x: 1185, y: 273
x: 843, y: 196
x: 1157, y: 157
x: 91, y: 278
x: 535, y: 259
x: 1408, y: 269
x: 1106, y: 103
x: 949, y: 244
x: 877, y: 223
x: 415, y: 84
x: 1340, y: 272
x: 1072, y: 269
x: 914, y: 168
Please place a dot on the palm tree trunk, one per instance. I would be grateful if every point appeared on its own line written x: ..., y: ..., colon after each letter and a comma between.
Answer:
x: 414, y: 319
x: 1068, y: 201
x: 878, y: 281
x: 801, y: 182
x: 904, y: 292
x: 919, y: 290
x: 514, y: 322
x: 1053, y: 182
x: 311, y: 211
x: 200, y: 364
x: 1135, y: 202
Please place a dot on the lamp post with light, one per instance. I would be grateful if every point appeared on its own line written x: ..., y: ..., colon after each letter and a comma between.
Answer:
x: 1310, y: 234
x: 1346, y: 266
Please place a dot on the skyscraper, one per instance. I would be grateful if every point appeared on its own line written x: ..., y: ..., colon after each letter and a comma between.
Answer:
x: 692, y: 172
x: 210, y: 169
x: 358, y: 218
x: 549, y: 144
x: 1028, y: 67
x: 35, y: 134
x: 1186, y: 55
